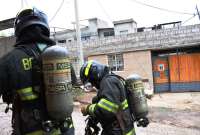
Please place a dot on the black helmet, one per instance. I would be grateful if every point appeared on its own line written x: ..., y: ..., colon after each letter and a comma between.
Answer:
x: 93, y: 72
x: 30, y: 17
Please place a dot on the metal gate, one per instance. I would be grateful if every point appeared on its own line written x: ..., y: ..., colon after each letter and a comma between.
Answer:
x: 161, y: 74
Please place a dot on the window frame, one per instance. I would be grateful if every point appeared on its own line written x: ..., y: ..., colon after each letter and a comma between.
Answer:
x: 116, y: 61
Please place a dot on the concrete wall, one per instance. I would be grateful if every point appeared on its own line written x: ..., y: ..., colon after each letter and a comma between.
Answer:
x: 134, y: 46
x: 152, y: 40
x: 101, y: 32
x: 138, y: 62
x: 6, y: 45
x: 65, y: 35
x: 100, y: 58
x: 130, y: 27
x: 96, y: 23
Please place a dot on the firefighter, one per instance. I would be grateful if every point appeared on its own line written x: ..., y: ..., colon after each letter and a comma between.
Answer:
x: 110, y: 106
x: 21, y: 78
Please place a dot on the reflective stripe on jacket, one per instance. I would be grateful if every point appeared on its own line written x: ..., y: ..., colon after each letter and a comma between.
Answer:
x: 111, y: 99
x: 16, y: 77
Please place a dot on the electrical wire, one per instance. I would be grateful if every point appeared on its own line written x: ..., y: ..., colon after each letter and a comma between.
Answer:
x: 106, y: 13
x: 159, y: 8
x: 189, y: 19
x: 61, y: 4
x: 26, y: 2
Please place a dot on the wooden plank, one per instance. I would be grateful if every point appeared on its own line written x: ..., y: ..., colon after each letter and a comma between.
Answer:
x: 184, y: 67
x: 173, y: 68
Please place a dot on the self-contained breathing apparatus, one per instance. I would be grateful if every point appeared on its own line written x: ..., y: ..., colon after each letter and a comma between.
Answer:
x: 57, y: 82
x: 136, y: 98
x: 53, y: 66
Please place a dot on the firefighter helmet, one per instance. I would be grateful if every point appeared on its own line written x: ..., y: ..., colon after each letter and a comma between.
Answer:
x: 92, y: 71
x: 30, y: 17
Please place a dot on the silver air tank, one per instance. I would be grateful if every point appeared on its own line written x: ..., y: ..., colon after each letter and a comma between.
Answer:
x: 57, y: 80
x: 138, y: 102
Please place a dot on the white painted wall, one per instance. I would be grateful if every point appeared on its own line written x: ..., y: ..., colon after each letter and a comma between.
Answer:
x: 129, y: 27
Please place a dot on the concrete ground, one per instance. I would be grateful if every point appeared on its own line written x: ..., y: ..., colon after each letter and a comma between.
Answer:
x: 169, y: 114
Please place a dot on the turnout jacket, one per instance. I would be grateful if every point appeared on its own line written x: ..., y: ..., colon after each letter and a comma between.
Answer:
x: 111, y: 108
x: 20, y: 86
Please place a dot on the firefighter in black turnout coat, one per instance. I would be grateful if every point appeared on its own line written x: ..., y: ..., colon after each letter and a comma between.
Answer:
x: 20, y: 85
x: 110, y: 106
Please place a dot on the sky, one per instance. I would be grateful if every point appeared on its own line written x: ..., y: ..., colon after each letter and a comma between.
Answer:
x: 145, y: 12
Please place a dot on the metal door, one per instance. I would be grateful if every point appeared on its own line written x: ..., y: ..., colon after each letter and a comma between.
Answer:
x: 161, y: 74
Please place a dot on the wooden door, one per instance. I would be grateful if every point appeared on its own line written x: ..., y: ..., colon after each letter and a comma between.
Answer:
x: 185, y: 72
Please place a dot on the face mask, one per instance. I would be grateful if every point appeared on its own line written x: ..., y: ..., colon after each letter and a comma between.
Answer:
x: 41, y: 46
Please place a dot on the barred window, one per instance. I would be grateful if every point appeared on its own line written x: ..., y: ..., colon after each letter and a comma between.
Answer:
x: 108, y: 33
x: 116, y: 62
x: 61, y: 41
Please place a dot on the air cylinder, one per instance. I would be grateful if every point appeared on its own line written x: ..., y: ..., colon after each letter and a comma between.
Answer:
x: 137, y: 98
x: 57, y: 81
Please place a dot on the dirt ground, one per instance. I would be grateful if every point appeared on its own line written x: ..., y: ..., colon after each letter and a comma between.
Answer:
x: 178, y: 109
x: 169, y: 114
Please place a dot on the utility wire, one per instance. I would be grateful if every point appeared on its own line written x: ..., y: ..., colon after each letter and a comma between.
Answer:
x: 59, y: 28
x: 26, y: 2
x: 106, y: 13
x: 61, y: 4
x: 189, y: 19
x: 159, y: 8
x: 198, y: 12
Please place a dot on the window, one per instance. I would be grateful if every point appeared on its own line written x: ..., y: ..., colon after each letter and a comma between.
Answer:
x: 116, y: 62
x: 85, y: 38
x: 61, y: 41
x: 108, y: 33
x: 123, y: 32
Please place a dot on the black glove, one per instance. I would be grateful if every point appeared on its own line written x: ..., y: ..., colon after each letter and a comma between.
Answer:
x: 91, y: 126
x: 95, y: 99
x: 7, y: 98
x: 143, y: 122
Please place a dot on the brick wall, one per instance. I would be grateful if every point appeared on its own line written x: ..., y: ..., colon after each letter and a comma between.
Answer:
x: 151, y: 40
x: 136, y: 46
x: 100, y: 58
x: 138, y: 62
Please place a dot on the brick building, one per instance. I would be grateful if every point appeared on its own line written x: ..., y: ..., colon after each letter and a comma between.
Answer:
x: 168, y: 59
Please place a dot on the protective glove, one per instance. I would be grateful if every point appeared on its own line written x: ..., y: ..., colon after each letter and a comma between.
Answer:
x: 143, y: 122
x: 95, y: 99
x: 85, y: 110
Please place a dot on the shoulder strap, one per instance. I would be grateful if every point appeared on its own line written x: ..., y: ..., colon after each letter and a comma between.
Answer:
x: 36, y: 64
x: 119, y: 77
x: 29, y: 51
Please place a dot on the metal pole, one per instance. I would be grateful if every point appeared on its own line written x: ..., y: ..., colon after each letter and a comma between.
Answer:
x: 22, y: 4
x: 54, y: 34
x: 78, y: 32
x: 198, y: 12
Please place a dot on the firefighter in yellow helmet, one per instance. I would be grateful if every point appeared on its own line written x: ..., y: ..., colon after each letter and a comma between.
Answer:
x: 21, y: 78
x: 110, y: 106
